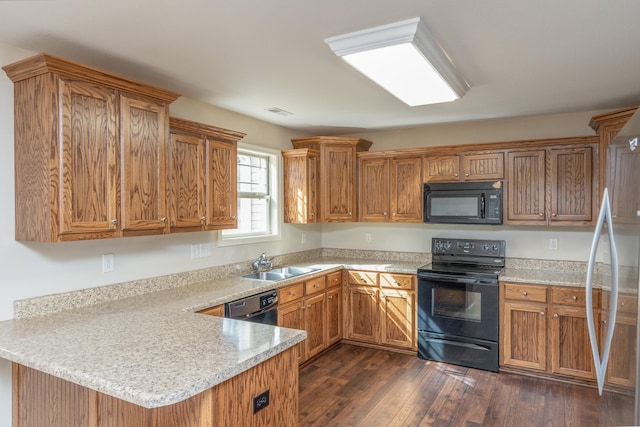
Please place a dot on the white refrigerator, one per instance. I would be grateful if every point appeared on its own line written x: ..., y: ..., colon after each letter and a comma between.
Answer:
x: 614, y: 266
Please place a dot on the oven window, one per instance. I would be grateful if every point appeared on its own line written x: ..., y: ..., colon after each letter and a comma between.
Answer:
x: 457, y: 304
x: 454, y: 206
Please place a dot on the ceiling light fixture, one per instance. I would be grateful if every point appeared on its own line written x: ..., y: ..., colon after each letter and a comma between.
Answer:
x: 404, y: 59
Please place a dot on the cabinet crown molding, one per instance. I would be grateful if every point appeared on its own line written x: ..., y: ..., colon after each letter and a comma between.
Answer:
x: 315, y: 142
x: 43, y: 63
x: 204, y: 130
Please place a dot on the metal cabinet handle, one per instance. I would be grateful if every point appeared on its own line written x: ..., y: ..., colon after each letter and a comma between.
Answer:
x: 575, y: 298
x: 330, y: 296
x: 554, y: 214
x: 384, y: 213
x: 163, y: 219
x: 203, y: 218
x: 622, y: 304
x: 114, y: 221
x: 541, y: 214
x: 542, y: 313
x: 466, y: 174
x: 316, y: 285
x: 525, y: 293
x: 555, y: 315
x: 455, y: 174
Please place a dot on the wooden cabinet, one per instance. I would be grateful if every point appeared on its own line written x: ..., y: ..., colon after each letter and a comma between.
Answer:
x: 301, y: 185
x: 524, y: 326
x: 40, y: 399
x: 311, y: 306
x: 545, y: 329
x: 337, y: 178
x: 390, y: 189
x: 202, y: 176
x: 467, y: 166
x: 217, y: 311
x: 551, y: 186
x: 607, y: 127
x: 621, y: 370
x: 334, y: 308
x: 90, y: 152
x: 382, y: 309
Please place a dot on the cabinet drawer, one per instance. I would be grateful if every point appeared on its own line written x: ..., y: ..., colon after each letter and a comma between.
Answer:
x: 627, y: 304
x: 291, y: 293
x: 397, y: 281
x: 523, y: 292
x: 368, y: 278
x: 573, y: 297
x: 315, y: 285
x: 334, y: 279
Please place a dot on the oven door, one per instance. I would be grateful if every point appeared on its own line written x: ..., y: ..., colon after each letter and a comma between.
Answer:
x: 458, y: 306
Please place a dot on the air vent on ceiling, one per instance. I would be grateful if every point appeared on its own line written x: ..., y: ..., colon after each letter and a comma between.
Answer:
x: 279, y: 111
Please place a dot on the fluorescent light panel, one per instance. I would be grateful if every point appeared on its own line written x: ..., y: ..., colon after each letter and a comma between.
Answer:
x: 404, y: 60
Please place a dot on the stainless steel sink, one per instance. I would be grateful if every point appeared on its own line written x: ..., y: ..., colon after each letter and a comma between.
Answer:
x: 280, y: 273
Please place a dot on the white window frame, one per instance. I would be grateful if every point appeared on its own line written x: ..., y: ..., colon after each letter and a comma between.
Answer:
x: 226, y: 239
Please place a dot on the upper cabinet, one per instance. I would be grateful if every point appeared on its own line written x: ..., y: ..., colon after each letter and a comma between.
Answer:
x: 90, y: 152
x: 336, y: 179
x: 202, y: 176
x: 390, y: 188
x: 301, y: 185
x: 466, y: 166
x: 553, y: 185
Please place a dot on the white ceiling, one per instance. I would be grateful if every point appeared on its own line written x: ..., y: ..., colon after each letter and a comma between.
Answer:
x: 520, y: 57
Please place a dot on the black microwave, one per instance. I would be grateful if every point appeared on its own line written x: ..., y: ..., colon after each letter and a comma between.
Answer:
x: 463, y: 202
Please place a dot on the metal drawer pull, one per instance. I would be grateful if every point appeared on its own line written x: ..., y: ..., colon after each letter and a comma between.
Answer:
x: 525, y: 293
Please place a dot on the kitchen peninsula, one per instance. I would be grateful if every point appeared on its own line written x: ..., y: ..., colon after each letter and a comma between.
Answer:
x: 151, y: 357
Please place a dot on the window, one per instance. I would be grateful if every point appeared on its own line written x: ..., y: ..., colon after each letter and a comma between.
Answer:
x: 257, y: 197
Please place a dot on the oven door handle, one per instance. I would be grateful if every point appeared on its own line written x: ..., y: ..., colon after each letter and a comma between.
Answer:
x: 444, y: 278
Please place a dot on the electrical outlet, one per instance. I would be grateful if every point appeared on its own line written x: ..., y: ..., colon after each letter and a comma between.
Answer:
x: 261, y: 401
x: 553, y: 244
x: 367, y: 237
x: 195, y: 251
x: 108, y: 263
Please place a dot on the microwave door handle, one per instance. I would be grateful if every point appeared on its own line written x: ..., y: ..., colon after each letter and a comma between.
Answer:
x: 482, y: 205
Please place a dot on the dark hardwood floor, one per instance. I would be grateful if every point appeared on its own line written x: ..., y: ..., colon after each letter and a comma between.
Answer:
x: 357, y: 386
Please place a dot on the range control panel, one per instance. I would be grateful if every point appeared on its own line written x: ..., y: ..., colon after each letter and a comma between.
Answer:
x: 462, y: 247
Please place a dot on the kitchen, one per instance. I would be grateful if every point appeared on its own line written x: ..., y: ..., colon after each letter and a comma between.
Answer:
x: 77, y: 265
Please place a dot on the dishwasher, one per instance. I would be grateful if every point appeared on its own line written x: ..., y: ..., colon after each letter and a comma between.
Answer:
x: 259, y: 308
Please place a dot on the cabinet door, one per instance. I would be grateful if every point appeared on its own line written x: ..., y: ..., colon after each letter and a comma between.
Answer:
x: 624, y: 168
x: 300, y: 186
x: 315, y: 318
x: 374, y: 190
x: 334, y: 315
x: 570, y: 345
x: 441, y: 169
x: 571, y: 185
x: 292, y: 316
x: 363, y: 314
x: 144, y: 130
x: 621, y: 369
x: 482, y: 166
x: 222, y: 203
x: 526, y: 184
x: 398, y: 323
x: 186, y: 181
x: 338, y: 180
x: 89, y: 174
x: 524, y: 335
x: 406, y: 190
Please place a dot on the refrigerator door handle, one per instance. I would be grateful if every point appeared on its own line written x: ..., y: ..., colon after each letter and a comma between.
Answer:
x: 599, y: 362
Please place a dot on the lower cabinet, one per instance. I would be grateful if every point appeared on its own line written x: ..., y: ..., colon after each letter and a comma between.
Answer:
x: 545, y: 329
x: 217, y: 310
x: 40, y: 399
x: 315, y: 306
x: 382, y: 309
x: 621, y: 371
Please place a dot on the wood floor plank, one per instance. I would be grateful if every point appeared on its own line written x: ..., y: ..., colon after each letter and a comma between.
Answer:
x: 352, y: 386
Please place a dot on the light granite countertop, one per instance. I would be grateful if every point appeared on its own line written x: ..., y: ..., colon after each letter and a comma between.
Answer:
x: 152, y: 349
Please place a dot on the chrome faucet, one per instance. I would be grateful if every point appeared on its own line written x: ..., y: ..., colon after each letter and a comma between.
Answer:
x: 262, y: 262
